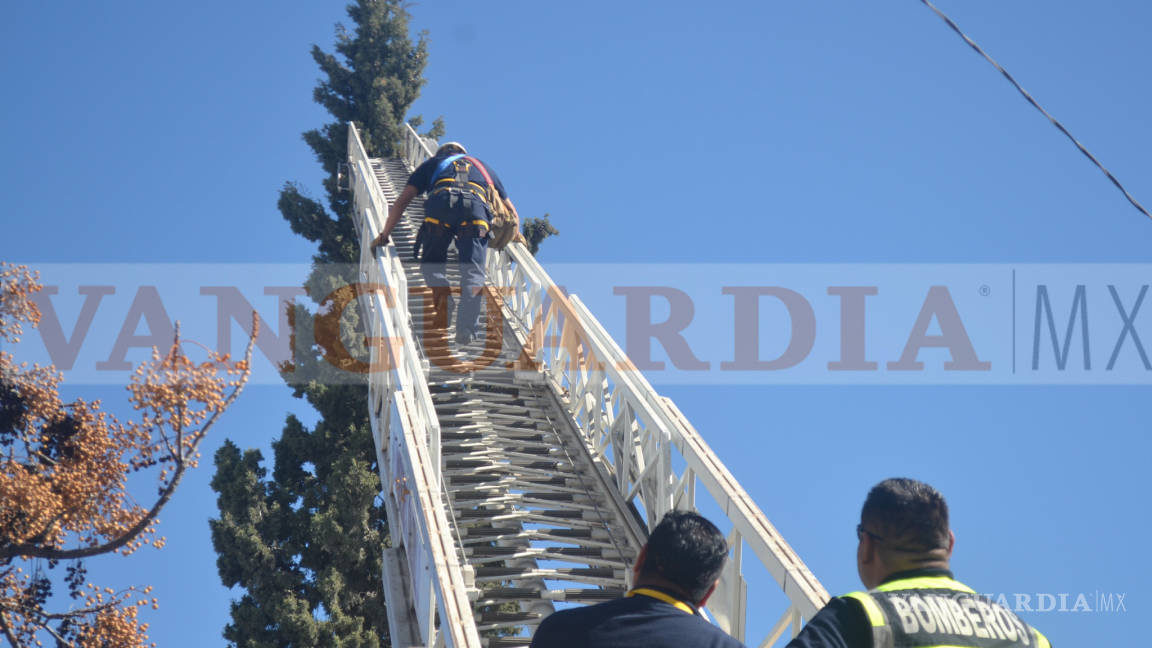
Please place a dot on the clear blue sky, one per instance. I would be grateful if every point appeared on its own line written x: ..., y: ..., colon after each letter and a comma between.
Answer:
x: 831, y: 132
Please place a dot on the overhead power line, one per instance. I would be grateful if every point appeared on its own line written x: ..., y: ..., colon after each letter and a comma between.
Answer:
x: 1032, y: 101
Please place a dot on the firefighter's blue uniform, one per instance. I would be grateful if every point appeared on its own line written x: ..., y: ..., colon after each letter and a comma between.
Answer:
x: 455, y: 209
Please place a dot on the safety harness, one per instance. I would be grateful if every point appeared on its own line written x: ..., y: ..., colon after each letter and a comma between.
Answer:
x: 503, y: 222
x: 460, y: 188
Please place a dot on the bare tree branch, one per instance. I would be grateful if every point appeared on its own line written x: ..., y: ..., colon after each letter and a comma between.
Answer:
x: 57, y: 636
x: 7, y: 631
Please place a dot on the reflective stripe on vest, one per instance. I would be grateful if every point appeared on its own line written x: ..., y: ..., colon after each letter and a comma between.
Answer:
x: 939, y: 612
x: 926, y: 582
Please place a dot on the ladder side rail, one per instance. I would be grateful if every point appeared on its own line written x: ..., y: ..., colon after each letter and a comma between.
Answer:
x: 413, y: 149
x: 405, y: 610
x: 411, y: 468
x: 366, y: 191
x: 409, y: 463
x: 798, y: 582
x: 748, y: 521
x: 385, y: 274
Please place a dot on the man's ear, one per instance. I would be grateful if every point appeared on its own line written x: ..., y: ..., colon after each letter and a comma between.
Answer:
x: 708, y: 594
x: 951, y: 542
x: 638, y: 566
x: 866, y: 550
x: 868, y: 563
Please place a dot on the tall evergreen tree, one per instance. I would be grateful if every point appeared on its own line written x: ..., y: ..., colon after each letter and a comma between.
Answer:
x: 305, y: 546
x: 535, y: 230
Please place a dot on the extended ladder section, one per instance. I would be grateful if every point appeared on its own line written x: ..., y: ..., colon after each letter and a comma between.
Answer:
x: 522, y: 471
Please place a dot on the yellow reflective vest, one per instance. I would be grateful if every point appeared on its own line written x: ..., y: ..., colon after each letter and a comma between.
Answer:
x: 940, y: 612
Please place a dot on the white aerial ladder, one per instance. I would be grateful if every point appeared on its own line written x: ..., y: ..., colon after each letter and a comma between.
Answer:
x: 522, y: 473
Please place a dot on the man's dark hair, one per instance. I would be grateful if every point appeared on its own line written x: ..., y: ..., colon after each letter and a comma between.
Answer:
x: 909, y: 515
x: 687, y: 550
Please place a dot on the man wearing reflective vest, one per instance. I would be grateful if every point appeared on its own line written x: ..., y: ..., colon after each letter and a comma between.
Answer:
x: 904, y: 548
x: 455, y: 209
x: 674, y: 575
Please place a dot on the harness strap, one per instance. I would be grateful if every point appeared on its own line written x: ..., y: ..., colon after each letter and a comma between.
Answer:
x: 444, y: 164
x: 459, y: 183
x: 479, y: 223
x: 483, y: 171
x: 450, y: 182
x: 460, y: 187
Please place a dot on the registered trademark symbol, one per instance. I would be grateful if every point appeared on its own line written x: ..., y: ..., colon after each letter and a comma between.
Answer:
x: 985, y: 290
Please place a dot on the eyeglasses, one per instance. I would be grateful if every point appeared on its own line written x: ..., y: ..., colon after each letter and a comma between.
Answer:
x: 861, y: 532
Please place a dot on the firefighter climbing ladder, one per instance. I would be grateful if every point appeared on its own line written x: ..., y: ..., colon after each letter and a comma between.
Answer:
x: 522, y: 472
